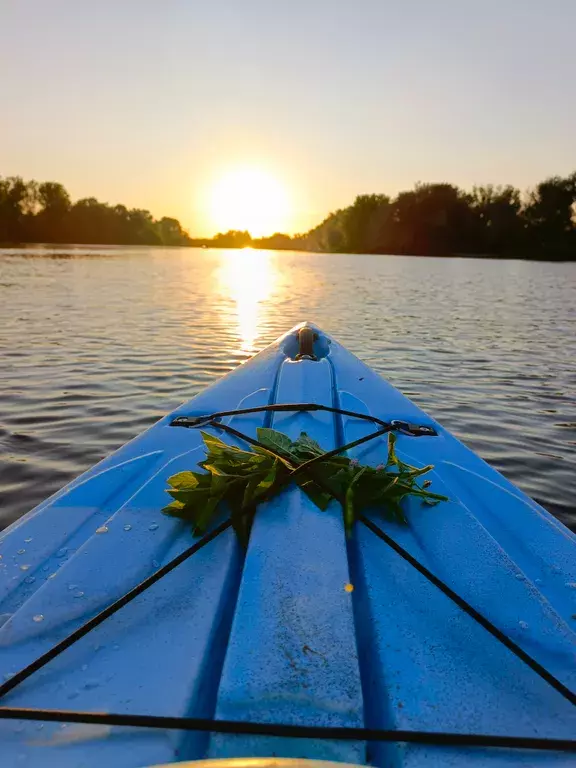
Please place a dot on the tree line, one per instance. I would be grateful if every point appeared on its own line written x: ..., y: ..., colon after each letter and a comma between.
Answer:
x: 32, y: 212
x: 431, y: 219
x: 441, y: 219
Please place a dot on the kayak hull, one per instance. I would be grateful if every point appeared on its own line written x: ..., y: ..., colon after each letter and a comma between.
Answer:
x: 275, y: 634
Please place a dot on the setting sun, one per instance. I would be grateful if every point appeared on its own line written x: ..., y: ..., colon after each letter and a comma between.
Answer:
x: 249, y: 199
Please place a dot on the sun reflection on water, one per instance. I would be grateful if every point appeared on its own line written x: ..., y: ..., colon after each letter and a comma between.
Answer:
x: 249, y: 278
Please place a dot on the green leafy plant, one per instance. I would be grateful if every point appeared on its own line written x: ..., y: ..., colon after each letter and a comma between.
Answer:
x: 242, y: 479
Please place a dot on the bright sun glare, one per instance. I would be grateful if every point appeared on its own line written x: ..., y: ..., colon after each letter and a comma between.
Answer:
x: 249, y: 198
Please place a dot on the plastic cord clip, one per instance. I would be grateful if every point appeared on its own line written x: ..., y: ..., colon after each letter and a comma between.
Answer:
x: 193, y: 421
x: 414, y: 430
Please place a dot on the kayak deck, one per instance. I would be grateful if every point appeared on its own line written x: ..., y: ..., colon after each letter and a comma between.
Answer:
x: 276, y: 634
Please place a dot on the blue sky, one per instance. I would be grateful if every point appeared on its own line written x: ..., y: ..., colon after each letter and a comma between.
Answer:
x: 145, y: 103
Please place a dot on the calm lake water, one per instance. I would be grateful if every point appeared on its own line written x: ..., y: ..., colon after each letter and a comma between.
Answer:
x: 98, y: 343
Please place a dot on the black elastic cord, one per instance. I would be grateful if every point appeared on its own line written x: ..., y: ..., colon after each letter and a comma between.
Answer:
x: 41, y: 661
x: 472, y: 612
x: 339, y: 733
x: 277, y: 408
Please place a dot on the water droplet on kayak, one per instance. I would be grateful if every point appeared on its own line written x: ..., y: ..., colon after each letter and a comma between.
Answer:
x: 72, y: 586
x: 155, y: 564
x: 21, y: 551
x: 28, y: 540
x: 537, y: 581
x: 127, y: 527
x: 571, y: 584
x: 8, y: 675
x: 153, y: 527
x: 116, y: 647
x: 38, y: 617
x: 62, y: 552
x: 520, y: 576
x: 523, y: 624
x: 91, y: 684
x: 39, y: 726
x: 52, y: 576
x: 84, y: 667
x: 64, y: 725
x: 102, y: 529
x: 24, y: 567
x: 30, y: 579
x: 78, y: 593
x: 46, y: 567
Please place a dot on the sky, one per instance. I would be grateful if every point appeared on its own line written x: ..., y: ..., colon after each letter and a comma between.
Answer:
x: 151, y: 103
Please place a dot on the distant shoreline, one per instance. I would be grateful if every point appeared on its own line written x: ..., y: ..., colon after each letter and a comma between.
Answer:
x: 431, y: 220
x: 469, y: 256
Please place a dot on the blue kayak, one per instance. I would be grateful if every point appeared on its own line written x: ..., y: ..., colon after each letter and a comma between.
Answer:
x: 125, y: 641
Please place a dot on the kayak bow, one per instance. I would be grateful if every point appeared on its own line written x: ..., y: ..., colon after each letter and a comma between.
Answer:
x: 448, y: 640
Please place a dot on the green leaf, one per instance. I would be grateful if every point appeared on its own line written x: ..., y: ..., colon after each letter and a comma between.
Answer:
x: 392, y: 458
x: 349, y: 509
x: 203, y: 516
x: 216, y: 470
x: 214, y: 444
x: 238, y: 515
x: 333, y: 475
x: 183, y: 481
x: 349, y: 506
x: 358, y: 475
x: 275, y: 441
x: 318, y: 496
x: 190, y: 497
x: 250, y: 491
x: 218, y: 485
x: 374, y: 490
x: 396, y: 511
x: 306, y: 447
x: 223, y: 464
x: 434, y: 498
x: 173, y: 508
x: 418, y: 472
x: 268, y: 481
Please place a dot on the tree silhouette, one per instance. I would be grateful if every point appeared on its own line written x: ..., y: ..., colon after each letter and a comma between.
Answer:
x: 232, y: 239
x: 440, y: 219
x: 32, y: 212
x: 550, y: 216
